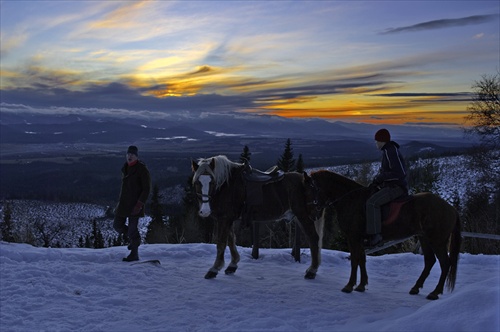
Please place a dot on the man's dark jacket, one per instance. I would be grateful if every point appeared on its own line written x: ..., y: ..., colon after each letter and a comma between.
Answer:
x: 136, y: 186
x: 393, y: 169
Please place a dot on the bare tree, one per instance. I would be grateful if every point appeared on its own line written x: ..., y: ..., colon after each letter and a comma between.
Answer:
x: 47, y: 230
x: 484, y: 116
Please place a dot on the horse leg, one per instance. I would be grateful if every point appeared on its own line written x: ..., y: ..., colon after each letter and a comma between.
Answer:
x: 222, y: 239
x: 313, y: 238
x: 363, y: 273
x: 255, y: 239
x: 429, y: 261
x: 296, y: 243
x: 235, y: 256
x: 355, y: 258
x: 352, y: 279
x: 444, y: 262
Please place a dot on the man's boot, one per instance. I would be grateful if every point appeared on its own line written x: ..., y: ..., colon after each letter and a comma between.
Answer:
x: 133, y: 256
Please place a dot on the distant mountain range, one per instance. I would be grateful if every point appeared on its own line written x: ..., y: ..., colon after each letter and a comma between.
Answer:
x: 78, y: 157
x: 28, y: 128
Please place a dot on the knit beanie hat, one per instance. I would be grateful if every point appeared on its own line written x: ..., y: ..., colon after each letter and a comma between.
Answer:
x: 133, y: 149
x: 382, y: 135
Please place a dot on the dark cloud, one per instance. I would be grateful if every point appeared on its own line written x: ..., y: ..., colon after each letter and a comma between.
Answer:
x: 430, y: 124
x: 202, y: 70
x: 444, y: 23
x: 431, y: 97
x: 418, y: 94
x: 118, y: 95
x: 311, y: 90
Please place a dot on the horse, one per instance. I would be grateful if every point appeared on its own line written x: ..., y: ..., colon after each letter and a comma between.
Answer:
x: 220, y: 186
x: 435, y: 222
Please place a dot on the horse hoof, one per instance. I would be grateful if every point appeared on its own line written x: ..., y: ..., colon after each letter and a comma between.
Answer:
x: 360, y: 289
x: 347, y: 289
x: 310, y: 275
x: 230, y: 269
x: 210, y: 275
x: 432, y: 296
x: 414, y: 291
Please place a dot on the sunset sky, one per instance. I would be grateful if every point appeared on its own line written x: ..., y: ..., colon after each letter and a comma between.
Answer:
x: 361, y: 61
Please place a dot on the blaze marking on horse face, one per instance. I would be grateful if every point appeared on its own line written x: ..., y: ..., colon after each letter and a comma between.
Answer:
x: 205, y: 202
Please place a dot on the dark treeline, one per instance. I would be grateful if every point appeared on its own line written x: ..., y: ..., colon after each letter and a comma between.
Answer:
x: 178, y: 222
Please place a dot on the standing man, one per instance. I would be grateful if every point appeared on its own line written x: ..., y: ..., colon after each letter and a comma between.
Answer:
x: 136, y: 185
x: 391, y: 179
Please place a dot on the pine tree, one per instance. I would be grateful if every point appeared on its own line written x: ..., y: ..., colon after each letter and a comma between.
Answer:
x: 286, y: 162
x: 157, y: 230
x: 6, y: 226
x: 245, y: 155
x: 97, y: 236
x: 118, y: 241
x: 87, y: 242
x: 300, y: 164
x: 424, y: 176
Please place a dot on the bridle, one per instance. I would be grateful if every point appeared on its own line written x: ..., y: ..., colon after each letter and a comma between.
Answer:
x: 315, y: 201
x: 204, y: 198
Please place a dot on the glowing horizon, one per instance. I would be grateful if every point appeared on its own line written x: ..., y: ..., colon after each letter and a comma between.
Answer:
x: 342, y: 60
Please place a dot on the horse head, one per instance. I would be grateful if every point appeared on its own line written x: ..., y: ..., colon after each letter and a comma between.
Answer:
x: 209, y: 175
x: 315, y: 201
x: 204, y: 183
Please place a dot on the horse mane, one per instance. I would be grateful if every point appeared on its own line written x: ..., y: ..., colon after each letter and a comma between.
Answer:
x: 338, y: 179
x: 222, y: 169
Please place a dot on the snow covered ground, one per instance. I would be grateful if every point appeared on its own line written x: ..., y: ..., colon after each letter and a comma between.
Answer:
x: 77, y: 289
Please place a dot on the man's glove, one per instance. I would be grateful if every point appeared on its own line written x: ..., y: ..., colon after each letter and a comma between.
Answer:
x: 137, y: 208
x: 378, y: 179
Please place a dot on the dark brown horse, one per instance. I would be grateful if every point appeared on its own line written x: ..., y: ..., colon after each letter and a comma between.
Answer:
x: 220, y: 186
x: 426, y: 215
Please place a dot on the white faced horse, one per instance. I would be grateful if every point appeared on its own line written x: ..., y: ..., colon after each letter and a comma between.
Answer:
x: 220, y: 186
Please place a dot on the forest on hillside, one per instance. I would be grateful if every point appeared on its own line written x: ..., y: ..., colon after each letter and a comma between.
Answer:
x: 466, y: 181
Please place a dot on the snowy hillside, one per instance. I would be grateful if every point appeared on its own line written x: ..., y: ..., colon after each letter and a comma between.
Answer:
x: 72, y: 221
x: 68, y: 223
x: 455, y: 176
x: 50, y: 289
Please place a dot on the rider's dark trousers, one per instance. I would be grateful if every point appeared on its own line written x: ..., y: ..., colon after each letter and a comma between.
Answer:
x: 373, y: 207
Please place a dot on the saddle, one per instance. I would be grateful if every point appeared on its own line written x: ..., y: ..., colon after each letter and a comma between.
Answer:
x: 390, y: 211
x: 273, y: 174
x: 255, y: 180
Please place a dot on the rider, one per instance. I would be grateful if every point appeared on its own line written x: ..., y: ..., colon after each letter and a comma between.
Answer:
x: 391, y: 179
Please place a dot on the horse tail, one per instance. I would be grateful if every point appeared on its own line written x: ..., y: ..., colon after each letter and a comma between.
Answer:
x: 455, y: 244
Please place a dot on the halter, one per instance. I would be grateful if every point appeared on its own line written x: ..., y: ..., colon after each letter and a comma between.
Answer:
x: 205, y: 198
x: 218, y: 168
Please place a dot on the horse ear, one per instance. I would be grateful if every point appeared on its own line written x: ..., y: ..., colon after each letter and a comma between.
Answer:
x: 307, y: 178
x: 212, y: 164
x: 194, y: 165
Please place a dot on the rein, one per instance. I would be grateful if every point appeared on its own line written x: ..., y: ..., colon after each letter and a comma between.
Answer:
x: 330, y: 203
